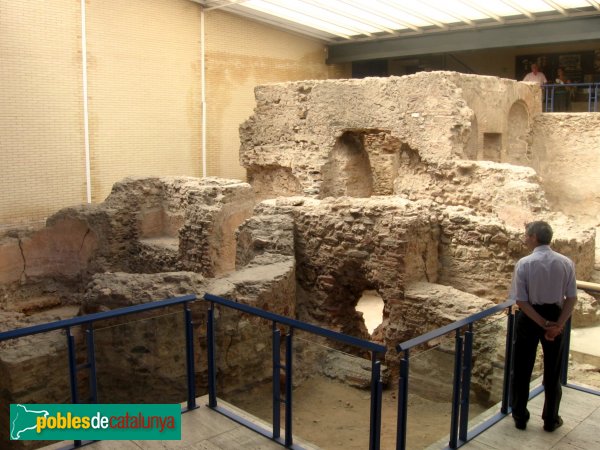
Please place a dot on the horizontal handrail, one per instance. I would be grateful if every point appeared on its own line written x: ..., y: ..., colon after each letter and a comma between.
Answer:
x: 588, y: 286
x: 334, y: 335
x: 570, y: 84
x: 45, y: 327
x: 406, y: 345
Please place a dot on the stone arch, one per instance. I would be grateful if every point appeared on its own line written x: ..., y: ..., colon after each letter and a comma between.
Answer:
x: 517, y: 145
x: 348, y: 169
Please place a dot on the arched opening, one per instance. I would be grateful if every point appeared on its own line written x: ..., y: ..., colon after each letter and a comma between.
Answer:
x: 348, y: 171
x: 370, y: 305
x: 517, y: 147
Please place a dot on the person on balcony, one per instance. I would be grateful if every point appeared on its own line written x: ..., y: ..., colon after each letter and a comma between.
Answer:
x: 545, y: 290
x: 562, y: 95
x: 535, y: 75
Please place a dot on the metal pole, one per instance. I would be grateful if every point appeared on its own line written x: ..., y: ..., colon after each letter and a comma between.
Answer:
x: 508, y: 352
x: 376, y: 393
x: 466, y: 384
x: 212, y: 376
x: 276, y: 381
x: 288, y: 388
x: 189, y: 353
x: 91, y: 350
x: 72, y: 372
x: 72, y: 366
x: 458, y: 346
x: 402, y: 402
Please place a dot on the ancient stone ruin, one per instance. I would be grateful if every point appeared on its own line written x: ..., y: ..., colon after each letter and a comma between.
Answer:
x: 414, y: 187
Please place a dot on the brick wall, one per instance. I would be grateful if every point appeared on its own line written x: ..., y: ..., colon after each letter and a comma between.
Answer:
x: 42, y: 165
x: 144, y: 94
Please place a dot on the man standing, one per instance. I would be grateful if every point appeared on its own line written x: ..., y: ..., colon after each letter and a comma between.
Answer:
x: 535, y: 75
x: 544, y: 287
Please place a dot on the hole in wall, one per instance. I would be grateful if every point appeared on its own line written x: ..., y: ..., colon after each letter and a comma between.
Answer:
x: 492, y: 146
x: 348, y: 170
x: 370, y: 304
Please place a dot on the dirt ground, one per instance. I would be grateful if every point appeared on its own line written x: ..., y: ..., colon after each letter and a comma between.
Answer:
x: 332, y: 415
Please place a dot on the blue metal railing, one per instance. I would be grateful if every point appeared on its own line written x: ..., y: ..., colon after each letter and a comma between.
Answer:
x: 463, y: 351
x: 461, y: 378
x: 557, y: 97
x: 377, y: 352
x: 89, y: 321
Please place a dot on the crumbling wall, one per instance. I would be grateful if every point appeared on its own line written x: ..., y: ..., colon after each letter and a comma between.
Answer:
x: 565, y: 154
x: 510, y: 193
x: 345, y: 137
x: 314, y: 129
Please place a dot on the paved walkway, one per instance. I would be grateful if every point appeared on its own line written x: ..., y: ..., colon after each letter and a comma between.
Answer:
x: 581, y: 430
x: 201, y: 429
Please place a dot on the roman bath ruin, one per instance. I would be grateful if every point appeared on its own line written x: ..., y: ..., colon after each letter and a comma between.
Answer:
x: 415, y: 188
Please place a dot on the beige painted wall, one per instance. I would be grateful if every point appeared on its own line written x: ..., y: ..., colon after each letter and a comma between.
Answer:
x: 144, y: 93
x: 241, y: 54
x: 42, y: 166
x: 144, y: 89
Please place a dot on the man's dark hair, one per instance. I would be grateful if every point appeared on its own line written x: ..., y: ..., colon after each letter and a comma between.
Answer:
x: 542, y: 231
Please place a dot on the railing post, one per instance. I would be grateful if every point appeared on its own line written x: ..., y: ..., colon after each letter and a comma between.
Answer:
x: 212, y: 376
x: 288, y: 388
x: 276, y: 356
x: 458, y: 348
x: 402, y: 402
x: 565, y: 357
x: 91, y: 351
x: 376, y: 393
x: 189, y: 353
x: 72, y: 366
x: 466, y: 384
x: 508, y: 352
x: 72, y: 372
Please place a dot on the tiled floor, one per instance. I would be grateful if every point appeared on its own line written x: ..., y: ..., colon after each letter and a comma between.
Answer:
x: 581, y: 430
x: 201, y: 429
x: 205, y: 429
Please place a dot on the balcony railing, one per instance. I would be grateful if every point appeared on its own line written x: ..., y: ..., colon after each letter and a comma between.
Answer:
x: 87, y: 322
x: 473, y: 342
x: 563, y: 97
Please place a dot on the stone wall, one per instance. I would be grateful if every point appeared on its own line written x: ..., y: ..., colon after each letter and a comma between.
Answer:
x: 565, y: 152
x: 332, y: 138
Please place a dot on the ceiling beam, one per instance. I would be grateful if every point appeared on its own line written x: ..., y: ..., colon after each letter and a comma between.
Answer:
x: 530, y: 33
x: 557, y: 7
x: 519, y: 8
x: 484, y: 10
x: 413, y: 13
x: 449, y: 12
x: 594, y: 3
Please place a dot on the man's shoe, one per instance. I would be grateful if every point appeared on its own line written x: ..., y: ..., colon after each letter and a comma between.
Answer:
x: 521, y: 421
x: 554, y: 425
x: 521, y: 424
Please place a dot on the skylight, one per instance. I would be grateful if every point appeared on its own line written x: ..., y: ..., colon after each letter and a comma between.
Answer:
x: 360, y: 19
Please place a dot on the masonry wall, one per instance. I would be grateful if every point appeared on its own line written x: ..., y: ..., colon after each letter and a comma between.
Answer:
x: 144, y: 94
